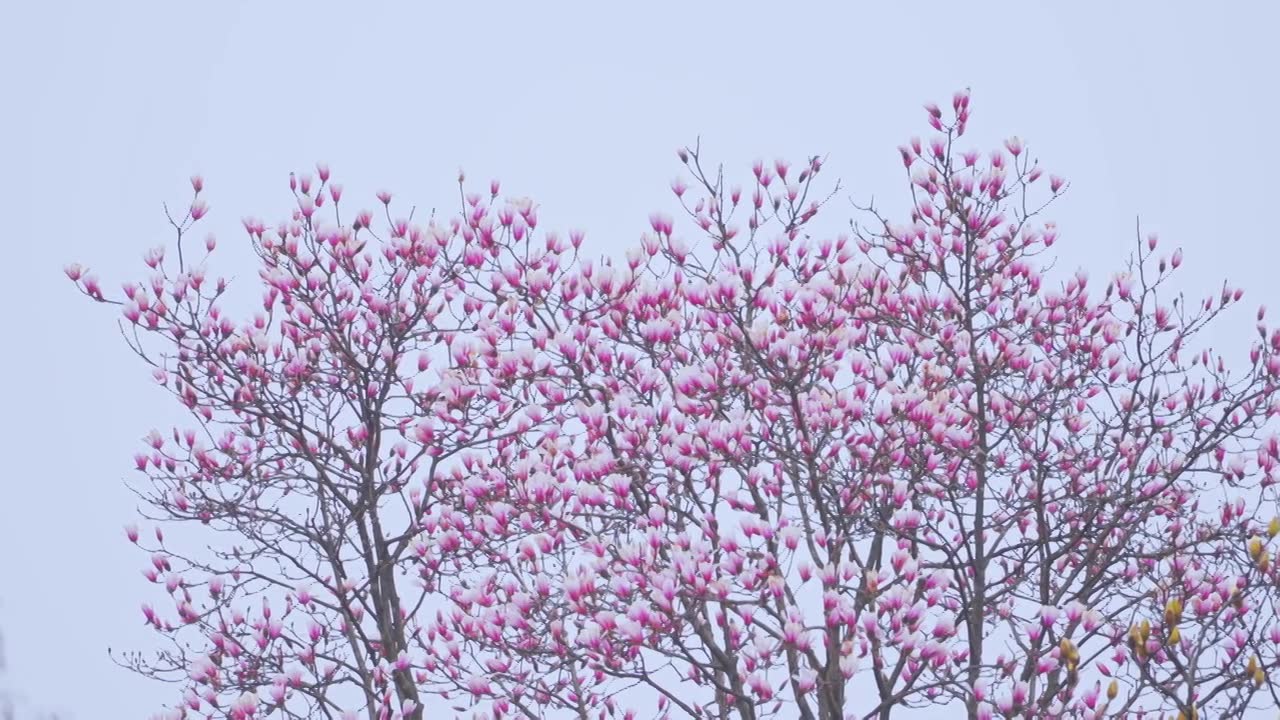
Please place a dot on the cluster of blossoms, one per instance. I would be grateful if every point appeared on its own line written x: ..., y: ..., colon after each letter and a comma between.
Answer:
x: 748, y: 473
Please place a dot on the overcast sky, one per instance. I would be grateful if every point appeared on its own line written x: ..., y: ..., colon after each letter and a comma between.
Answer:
x: 1166, y: 111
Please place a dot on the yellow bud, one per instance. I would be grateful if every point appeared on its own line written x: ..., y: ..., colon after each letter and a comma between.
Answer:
x: 1174, y: 636
x: 1252, y: 667
x: 1069, y: 651
x: 1145, y: 630
x: 1264, y: 562
x: 1113, y: 690
x: 1255, y: 547
x: 1259, y: 677
x: 1273, y: 529
x: 1135, y: 641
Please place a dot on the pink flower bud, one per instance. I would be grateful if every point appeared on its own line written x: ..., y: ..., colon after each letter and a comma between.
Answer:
x: 1048, y: 615
x: 479, y: 685
x: 197, y: 183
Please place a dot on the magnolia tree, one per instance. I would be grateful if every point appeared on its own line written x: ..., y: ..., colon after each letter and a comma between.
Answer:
x: 744, y: 473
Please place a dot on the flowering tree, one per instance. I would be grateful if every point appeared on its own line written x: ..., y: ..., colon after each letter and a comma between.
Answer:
x: 755, y: 474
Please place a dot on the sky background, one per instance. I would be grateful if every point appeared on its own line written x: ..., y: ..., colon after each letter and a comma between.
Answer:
x: 1164, y: 111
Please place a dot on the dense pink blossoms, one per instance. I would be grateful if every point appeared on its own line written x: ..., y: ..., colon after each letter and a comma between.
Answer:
x: 743, y: 473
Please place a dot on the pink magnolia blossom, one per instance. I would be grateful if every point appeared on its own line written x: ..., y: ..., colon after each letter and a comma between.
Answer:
x: 748, y: 468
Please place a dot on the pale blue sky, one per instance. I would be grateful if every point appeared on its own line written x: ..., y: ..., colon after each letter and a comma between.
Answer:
x: 1164, y: 110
